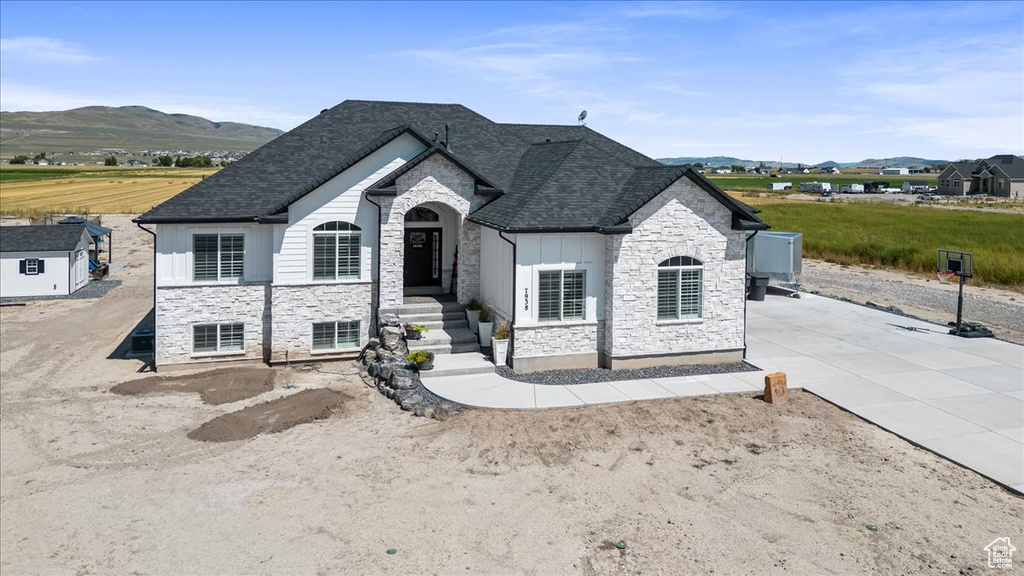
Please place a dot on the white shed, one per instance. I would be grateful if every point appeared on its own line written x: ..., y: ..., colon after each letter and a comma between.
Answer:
x: 43, y: 260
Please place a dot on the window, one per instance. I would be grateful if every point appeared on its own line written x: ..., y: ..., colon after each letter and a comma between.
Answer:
x: 218, y: 338
x: 336, y: 335
x: 217, y: 256
x: 31, y: 266
x: 336, y: 251
x: 680, y: 288
x: 561, y: 295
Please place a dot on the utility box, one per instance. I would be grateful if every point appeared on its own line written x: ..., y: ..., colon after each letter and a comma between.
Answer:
x: 779, y: 255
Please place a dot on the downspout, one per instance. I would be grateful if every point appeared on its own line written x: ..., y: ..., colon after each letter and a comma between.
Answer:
x: 512, y: 325
x: 376, y: 307
x: 155, y: 334
x: 746, y: 280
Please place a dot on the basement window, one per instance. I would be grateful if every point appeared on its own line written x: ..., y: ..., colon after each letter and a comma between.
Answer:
x: 336, y: 335
x: 212, y: 338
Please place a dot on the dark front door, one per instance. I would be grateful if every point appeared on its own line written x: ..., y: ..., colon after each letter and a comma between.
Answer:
x: 422, y: 257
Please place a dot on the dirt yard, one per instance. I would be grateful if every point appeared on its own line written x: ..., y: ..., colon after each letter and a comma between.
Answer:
x: 94, y: 481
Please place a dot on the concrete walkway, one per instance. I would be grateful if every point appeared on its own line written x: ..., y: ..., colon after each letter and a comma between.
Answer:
x: 494, y: 391
x: 961, y: 398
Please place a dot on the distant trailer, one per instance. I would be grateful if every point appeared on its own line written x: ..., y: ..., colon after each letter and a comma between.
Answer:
x: 817, y: 187
x: 852, y: 189
x: 780, y: 185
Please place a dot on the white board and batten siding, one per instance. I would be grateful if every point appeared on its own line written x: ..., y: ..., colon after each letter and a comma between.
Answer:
x: 539, y: 252
x: 174, y: 257
x: 496, y: 271
x: 338, y: 199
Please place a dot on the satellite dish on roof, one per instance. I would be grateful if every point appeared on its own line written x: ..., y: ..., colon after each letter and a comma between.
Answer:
x: 583, y: 116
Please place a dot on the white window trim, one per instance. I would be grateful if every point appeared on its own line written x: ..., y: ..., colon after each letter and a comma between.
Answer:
x: 679, y: 307
x: 313, y: 233
x: 335, y: 350
x: 218, y: 352
x: 219, y: 232
x: 34, y: 264
x: 561, y: 300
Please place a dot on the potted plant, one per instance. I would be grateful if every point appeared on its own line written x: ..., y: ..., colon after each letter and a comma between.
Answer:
x: 415, y: 331
x: 473, y: 314
x: 486, y: 325
x: 499, y: 344
x: 422, y: 359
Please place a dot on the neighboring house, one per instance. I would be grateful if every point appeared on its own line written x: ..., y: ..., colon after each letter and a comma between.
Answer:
x: 43, y: 260
x: 594, y: 253
x: 1001, y: 175
x: 915, y: 186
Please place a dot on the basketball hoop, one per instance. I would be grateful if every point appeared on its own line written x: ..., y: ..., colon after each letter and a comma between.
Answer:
x: 945, y: 276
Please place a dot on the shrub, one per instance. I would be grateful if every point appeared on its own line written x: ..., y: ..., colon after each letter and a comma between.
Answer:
x: 420, y: 356
x: 501, y: 333
x: 473, y: 305
x: 485, y: 315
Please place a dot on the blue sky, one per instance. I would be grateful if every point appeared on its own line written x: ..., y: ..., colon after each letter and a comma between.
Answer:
x: 801, y: 81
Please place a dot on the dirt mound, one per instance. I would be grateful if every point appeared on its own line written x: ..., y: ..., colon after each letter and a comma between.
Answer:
x: 270, y: 417
x: 214, y: 387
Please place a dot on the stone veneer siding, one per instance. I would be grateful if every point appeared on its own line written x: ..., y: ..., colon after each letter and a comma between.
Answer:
x: 556, y: 339
x: 435, y: 180
x: 682, y: 221
x: 179, y: 308
x: 297, y: 307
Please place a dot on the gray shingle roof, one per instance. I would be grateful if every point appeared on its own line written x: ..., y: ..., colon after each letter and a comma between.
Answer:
x: 55, y: 238
x: 553, y: 177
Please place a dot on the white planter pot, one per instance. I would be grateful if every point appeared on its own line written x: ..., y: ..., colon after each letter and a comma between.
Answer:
x: 473, y: 316
x: 486, y: 328
x: 500, y: 350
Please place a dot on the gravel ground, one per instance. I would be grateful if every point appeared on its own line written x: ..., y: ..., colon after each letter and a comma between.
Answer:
x: 94, y: 289
x: 558, y: 377
x: 1000, y: 310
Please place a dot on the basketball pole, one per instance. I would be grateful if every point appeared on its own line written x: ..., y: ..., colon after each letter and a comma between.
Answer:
x: 960, y: 305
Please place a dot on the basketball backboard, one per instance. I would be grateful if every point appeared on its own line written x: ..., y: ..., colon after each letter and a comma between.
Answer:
x: 955, y: 262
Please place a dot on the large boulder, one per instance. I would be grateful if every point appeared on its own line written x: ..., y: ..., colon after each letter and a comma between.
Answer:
x: 402, y: 379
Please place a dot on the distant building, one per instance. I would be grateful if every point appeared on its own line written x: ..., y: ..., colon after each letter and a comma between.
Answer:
x: 894, y: 171
x: 915, y: 186
x: 43, y: 260
x: 780, y: 185
x: 1001, y: 175
x: 832, y: 170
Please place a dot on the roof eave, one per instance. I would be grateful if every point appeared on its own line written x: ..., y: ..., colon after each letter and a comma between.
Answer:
x: 610, y: 230
x: 198, y: 220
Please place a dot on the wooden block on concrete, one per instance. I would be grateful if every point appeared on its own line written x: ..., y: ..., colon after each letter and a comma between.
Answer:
x: 775, y: 389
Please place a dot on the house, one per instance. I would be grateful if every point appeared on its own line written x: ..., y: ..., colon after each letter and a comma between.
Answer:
x: 1000, y: 175
x: 43, y: 260
x: 595, y: 254
x: 914, y: 186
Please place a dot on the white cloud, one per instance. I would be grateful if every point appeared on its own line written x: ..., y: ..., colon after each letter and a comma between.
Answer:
x: 40, y: 49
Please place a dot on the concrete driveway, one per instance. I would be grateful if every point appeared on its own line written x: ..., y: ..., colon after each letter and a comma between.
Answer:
x: 958, y: 397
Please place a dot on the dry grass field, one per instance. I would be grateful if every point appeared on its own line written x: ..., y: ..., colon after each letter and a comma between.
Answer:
x: 92, y: 190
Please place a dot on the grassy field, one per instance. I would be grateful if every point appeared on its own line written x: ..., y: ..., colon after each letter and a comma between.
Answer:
x: 35, y: 191
x: 905, y: 237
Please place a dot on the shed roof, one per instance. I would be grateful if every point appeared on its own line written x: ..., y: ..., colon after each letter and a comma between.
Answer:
x: 94, y: 230
x: 54, y: 238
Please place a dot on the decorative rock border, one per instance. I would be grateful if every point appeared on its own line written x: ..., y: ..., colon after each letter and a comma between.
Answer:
x: 590, y: 375
x: 385, y: 368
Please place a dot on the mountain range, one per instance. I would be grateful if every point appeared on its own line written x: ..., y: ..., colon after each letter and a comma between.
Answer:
x: 130, y: 128
x: 896, y: 162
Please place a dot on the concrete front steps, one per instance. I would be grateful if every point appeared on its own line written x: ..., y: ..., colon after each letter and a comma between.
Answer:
x: 456, y: 348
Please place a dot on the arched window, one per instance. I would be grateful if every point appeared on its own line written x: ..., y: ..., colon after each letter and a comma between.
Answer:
x: 336, y: 251
x: 421, y: 214
x: 680, y: 288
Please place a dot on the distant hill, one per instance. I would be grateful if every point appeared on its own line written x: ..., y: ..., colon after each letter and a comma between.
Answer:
x: 128, y: 127
x: 897, y: 162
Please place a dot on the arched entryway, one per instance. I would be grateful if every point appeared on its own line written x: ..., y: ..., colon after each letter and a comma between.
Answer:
x: 430, y: 241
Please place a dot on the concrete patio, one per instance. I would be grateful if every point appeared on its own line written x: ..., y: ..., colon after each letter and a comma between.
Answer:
x: 960, y: 398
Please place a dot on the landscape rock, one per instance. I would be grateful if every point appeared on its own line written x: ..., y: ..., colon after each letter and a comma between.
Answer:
x: 411, y: 402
